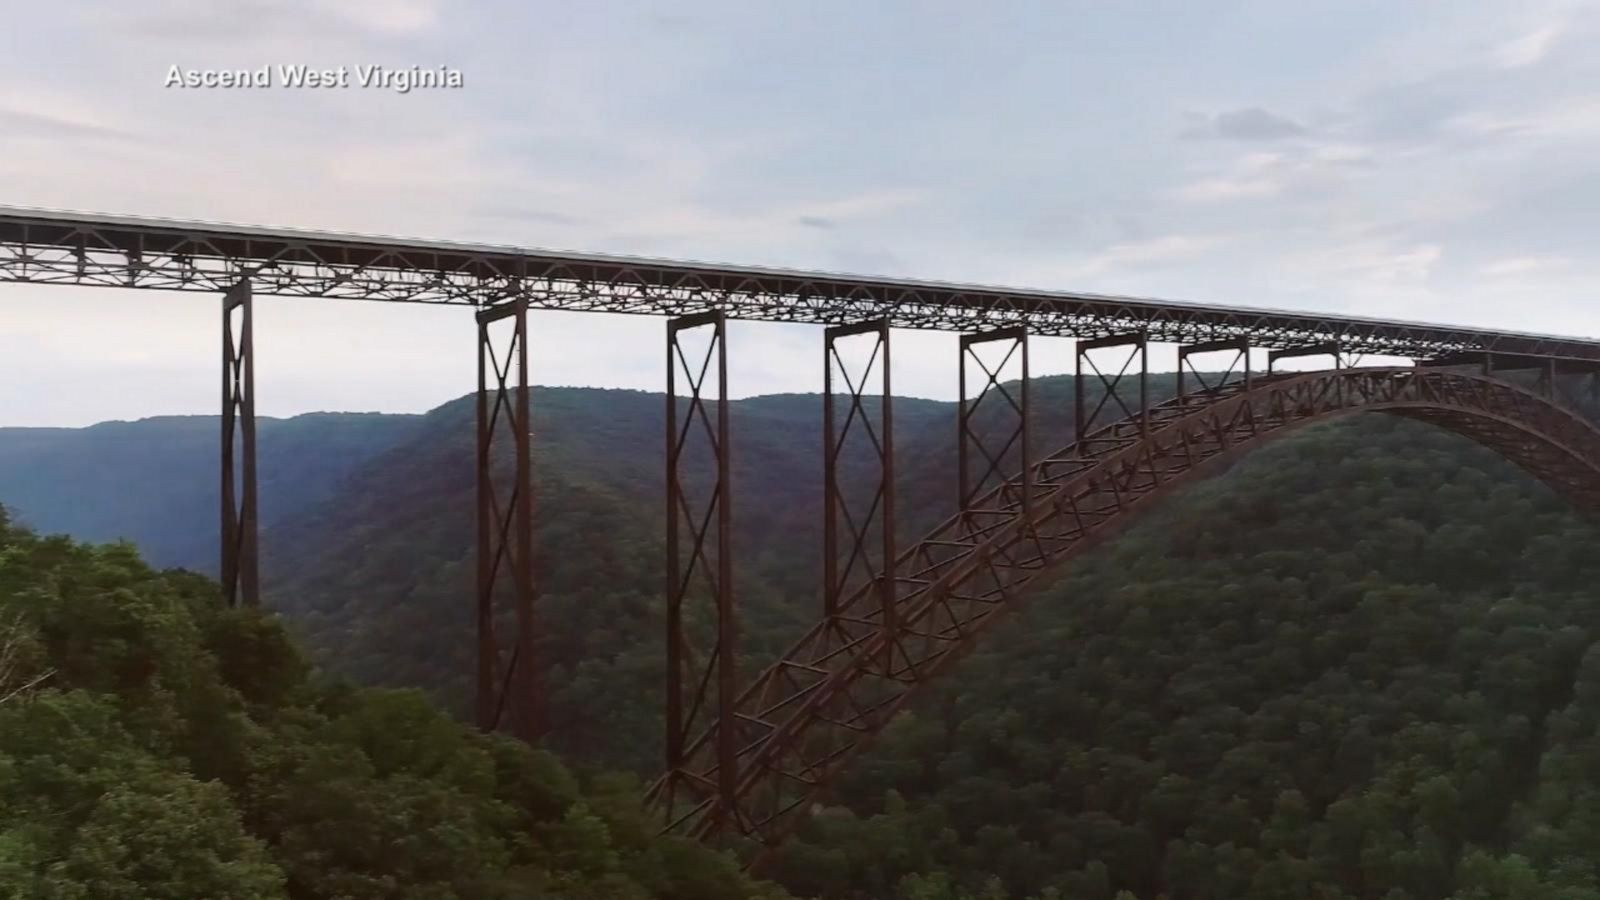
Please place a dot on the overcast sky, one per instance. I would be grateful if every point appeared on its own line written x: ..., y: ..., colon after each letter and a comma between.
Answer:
x: 1430, y: 161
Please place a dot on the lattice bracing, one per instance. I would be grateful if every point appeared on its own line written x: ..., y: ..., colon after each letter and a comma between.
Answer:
x: 509, y: 695
x: 802, y: 718
x: 42, y: 247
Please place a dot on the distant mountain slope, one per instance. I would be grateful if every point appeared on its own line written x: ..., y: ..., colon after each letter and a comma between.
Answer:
x: 1361, y: 662
x: 155, y: 481
x: 369, y: 538
x: 380, y: 577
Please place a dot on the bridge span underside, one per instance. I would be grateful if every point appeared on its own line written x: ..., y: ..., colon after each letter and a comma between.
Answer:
x: 747, y: 753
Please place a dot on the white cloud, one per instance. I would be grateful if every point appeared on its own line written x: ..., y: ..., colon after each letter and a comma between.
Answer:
x: 392, y: 16
x: 613, y: 132
x: 1521, y: 266
x: 1257, y: 175
x: 1565, y: 118
x: 1527, y: 49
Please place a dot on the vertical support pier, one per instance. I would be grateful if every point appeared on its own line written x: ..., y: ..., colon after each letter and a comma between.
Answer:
x: 1238, y: 369
x: 241, y: 580
x: 841, y: 560
x: 1111, y: 401
x: 993, y: 451
x: 699, y: 568
x: 509, y: 694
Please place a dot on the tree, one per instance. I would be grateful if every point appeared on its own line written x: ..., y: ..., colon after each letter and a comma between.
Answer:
x: 19, y: 669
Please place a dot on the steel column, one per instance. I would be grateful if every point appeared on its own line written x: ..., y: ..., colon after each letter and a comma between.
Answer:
x: 1239, y: 361
x: 969, y: 438
x: 240, y: 559
x: 1138, y: 345
x: 818, y: 725
x: 840, y: 560
x: 704, y: 572
x: 510, y: 695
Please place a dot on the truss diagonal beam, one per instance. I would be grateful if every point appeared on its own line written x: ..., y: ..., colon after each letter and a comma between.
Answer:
x: 509, y: 688
x: 699, y: 508
x: 805, y: 716
x: 1110, y: 385
x: 1236, y: 373
x: 878, y: 444
x: 994, y: 442
x: 241, y: 579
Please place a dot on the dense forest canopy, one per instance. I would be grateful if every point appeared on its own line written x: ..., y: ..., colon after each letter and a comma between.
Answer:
x: 1355, y: 664
x: 155, y: 745
x: 1360, y: 664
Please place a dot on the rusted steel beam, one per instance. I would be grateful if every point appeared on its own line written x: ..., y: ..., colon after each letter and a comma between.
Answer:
x: 994, y: 451
x: 1238, y: 363
x: 701, y: 686
x: 49, y: 247
x: 806, y: 715
x: 241, y: 579
x: 840, y: 558
x: 510, y: 693
x: 1111, y: 401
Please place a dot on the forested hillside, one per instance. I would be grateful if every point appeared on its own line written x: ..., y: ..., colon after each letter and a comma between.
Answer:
x: 1361, y: 664
x: 157, y: 746
x: 1356, y: 664
x: 380, y: 578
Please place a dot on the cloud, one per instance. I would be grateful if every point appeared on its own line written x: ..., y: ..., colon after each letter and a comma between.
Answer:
x: 1418, y: 171
x: 1519, y: 266
x: 532, y: 216
x: 1373, y: 265
x: 1248, y: 124
x: 1267, y: 174
x: 1139, y: 254
x: 1575, y: 117
x: 1527, y: 49
x: 1230, y: 187
x: 1251, y: 175
x: 245, y: 21
x: 22, y: 124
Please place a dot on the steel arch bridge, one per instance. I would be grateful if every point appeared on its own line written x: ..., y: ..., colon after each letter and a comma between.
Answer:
x: 745, y: 754
x: 806, y: 715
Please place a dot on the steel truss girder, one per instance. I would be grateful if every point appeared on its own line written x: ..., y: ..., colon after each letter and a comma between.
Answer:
x: 1112, y: 401
x: 807, y: 714
x: 1488, y: 363
x: 509, y: 692
x: 1550, y: 371
x: 55, y: 248
x: 848, y: 536
x: 701, y: 686
x: 241, y: 579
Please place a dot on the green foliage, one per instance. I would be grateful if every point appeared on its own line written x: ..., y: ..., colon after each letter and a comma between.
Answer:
x: 1359, y: 663
x: 177, y: 750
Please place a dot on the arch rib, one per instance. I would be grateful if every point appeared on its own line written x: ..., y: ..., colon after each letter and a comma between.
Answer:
x: 806, y: 714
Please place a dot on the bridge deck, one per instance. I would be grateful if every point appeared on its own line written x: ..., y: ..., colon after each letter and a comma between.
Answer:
x: 50, y: 247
